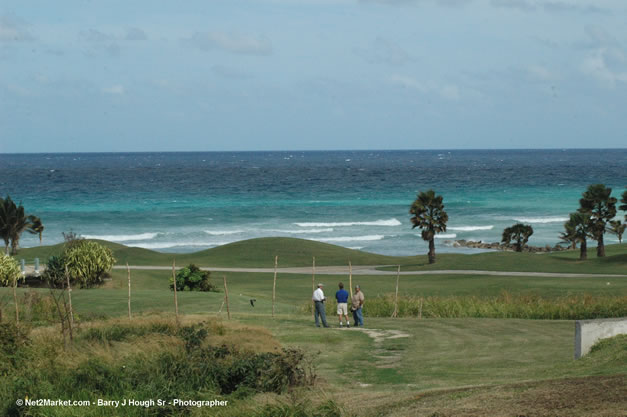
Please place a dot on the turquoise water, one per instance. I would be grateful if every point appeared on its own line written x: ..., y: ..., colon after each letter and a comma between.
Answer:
x: 181, y: 202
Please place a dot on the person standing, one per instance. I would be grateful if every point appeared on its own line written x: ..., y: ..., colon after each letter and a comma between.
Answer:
x: 319, y: 313
x: 357, y: 302
x: 341, y: 297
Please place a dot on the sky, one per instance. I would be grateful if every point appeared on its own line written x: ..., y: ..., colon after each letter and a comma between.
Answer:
x: 212, y: 75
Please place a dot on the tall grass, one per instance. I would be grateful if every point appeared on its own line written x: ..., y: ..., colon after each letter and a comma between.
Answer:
x: 505, y: 305
x: 142, y: 359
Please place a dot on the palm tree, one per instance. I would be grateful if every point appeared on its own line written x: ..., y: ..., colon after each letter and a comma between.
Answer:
x: 579, y: 227
x: 618, y: 229
x: 430, y: 216
x: 598, y: 202
x: 13, y: 222
x: 569, y: 236
x: 623, y: 200
x: 520, y: 233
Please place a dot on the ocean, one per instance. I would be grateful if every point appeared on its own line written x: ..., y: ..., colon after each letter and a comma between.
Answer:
x: 184, y: 202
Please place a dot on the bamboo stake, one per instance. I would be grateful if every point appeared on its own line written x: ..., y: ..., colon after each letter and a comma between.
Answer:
x: 17, y: 311
x: 313, y: 287
x: 128, y: 272
x: 226, y: 296
x: 398, y: 273
x: 176, y: 300
x: 276, y: 262
x: 69, y: 296
x: 350, y: 278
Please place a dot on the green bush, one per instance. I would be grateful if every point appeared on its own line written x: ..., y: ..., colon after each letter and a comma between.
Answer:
x: 9, y: 270
x: 87, y: 263
x: 192, y: 278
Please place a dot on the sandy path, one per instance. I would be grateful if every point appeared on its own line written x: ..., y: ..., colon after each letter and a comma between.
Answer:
x: 371, y: 270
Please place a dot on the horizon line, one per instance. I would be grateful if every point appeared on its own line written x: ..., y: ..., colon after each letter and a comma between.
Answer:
x: 312, y: 150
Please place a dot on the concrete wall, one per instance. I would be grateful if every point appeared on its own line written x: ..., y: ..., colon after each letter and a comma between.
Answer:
x: 589, y: 332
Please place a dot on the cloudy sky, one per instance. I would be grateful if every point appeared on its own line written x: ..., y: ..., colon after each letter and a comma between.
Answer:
x: 218, y: 75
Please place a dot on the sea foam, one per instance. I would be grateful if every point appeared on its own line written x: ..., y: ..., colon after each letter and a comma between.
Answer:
x: 389, y: 222
x: 122, y: 238
x: 549, y: 219
x: 470, y: 228
x: 446, y: 236
x: 350, y: 238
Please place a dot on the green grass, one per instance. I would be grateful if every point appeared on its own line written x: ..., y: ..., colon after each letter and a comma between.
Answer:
x: 299, y: 252
x: 150, y: 291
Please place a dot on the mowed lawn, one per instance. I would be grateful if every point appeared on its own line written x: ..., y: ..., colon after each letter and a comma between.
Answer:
x: 299, y: 252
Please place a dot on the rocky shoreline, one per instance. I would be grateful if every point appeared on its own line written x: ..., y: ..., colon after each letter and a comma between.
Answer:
x: 503, y: 246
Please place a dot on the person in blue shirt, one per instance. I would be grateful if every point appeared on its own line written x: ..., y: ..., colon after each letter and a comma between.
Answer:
x: 342, y: 304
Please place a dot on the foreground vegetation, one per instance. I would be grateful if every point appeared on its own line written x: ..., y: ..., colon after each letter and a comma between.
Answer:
x: 448, y: 363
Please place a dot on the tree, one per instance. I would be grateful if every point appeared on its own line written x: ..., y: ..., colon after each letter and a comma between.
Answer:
x: 578, y: 227
x: 429, y: 215
x: 192, y: 278
x: 618, y: 229
x: 14, y: 221
x: 568, y: 235
x: 623, y: 206
x: 519, y: 233
x: 598, y: 202
x: 88, y: 262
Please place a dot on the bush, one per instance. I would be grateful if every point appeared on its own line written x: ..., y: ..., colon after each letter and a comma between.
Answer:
x: 191, y: 278
x: 9, y: 270
x: 87, y: 262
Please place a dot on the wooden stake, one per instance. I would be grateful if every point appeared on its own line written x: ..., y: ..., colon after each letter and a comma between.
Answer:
x: 176, y: 300
x: 128, y: 272
x: 313, y: 286
x: 17, y: 311
x: 398, y: 273
x: 226, y: 296
x: 69, y: 296
x: 276, y: 262
x: 420, y: 309
x: 350, y: 278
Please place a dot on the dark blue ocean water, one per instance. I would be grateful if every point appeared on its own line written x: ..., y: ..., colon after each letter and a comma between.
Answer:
x: 358, y: 199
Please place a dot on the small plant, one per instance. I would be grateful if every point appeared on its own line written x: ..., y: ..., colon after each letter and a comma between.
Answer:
x: 192, y: 278
x: 88, y: 262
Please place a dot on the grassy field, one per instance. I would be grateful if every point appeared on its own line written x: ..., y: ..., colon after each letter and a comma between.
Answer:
x: 299, y: 252
x: 393, y: 367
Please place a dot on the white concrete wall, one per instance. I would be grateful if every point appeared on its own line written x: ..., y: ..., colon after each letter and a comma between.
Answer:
x: 589, y: 332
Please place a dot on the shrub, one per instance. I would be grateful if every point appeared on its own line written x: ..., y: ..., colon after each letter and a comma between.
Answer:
x: 9, y: 270
x: 88, y: 262
x: 192, y: 278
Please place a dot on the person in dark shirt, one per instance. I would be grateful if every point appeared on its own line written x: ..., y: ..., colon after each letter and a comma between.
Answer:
x: 342, y: 304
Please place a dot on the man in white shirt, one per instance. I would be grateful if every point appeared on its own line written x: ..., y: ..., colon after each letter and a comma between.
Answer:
x: 319, y: 299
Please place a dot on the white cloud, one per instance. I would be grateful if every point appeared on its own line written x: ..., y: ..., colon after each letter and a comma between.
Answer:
x: 135, y: 34
x: 14, y: 29
x: 232, y: 42
x: 448, y: 92
x: 384, y: 51
x: 608, y: 65
x: 115, y: 90
x: 540, y: 73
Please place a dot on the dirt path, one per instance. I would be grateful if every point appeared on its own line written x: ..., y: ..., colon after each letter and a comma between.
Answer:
x: 372, y: 270
x: 384, y: 358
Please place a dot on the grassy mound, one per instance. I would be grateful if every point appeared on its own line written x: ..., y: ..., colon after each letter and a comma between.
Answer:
x: 299, y: 252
